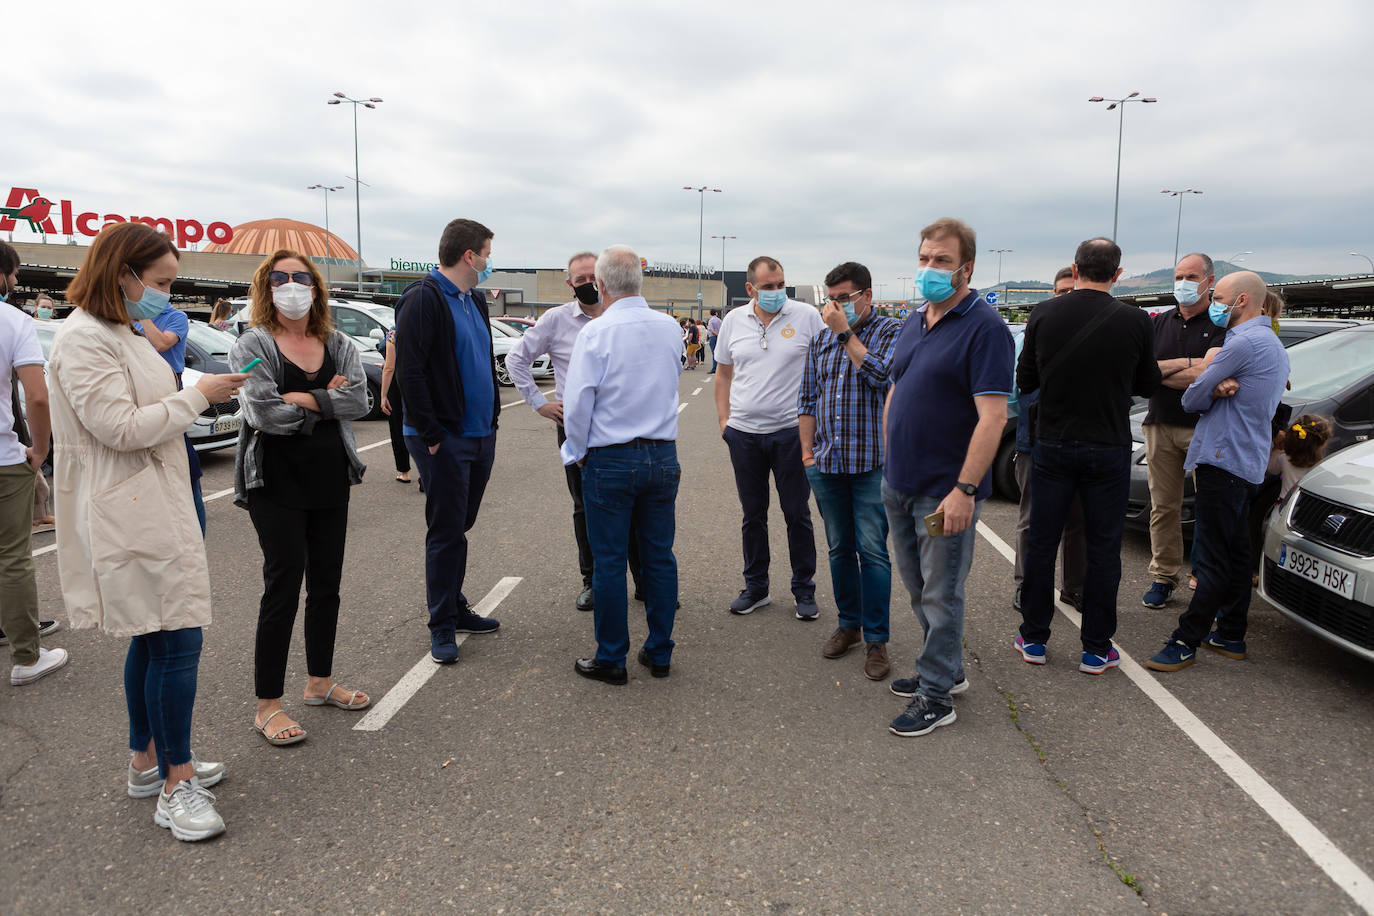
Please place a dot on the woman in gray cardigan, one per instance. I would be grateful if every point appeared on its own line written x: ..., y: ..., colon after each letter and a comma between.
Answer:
x: 296, y: 461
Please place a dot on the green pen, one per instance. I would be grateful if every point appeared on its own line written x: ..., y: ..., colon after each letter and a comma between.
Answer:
x: 249, y: 367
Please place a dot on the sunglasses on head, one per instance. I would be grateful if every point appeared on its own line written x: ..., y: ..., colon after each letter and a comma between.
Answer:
x: 279, y: 277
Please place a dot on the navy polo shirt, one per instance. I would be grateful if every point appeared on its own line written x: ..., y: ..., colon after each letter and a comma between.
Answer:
x: 936, y: 374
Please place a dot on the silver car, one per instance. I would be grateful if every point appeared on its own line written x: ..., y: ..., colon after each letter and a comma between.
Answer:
x: 1318, y: 564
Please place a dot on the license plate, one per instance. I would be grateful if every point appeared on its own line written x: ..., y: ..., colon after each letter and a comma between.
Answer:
x: 1328, y: 575
x: 226, y: 425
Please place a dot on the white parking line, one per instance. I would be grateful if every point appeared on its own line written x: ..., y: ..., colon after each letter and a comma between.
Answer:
x: 697, y: 392
x: 425, y: 668
x: 681, y: 407
x: 1326, y: 854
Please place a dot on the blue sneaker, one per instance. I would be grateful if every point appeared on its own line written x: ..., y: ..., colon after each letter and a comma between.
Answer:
x: 443, y: 648
x: 1174, y: 656
x: 1158, y: 595
x: 1231, y: 648
x: 1098, y: 664
x: 476, y: 625
x: 1032, y: 652
x: 910, y: 686
x: 922, y: 716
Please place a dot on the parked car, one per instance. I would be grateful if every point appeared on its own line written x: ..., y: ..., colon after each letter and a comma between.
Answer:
x: 503, y: 339
x: 518, y: 324
x: 1331, y: 370
x: 1318, y: 564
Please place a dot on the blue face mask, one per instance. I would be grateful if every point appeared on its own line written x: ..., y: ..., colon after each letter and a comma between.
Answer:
x: 935, y: 285
x: 149, y: 305
x: 771, y: 300
x: 485, y: 273
x: 1220, y: 313
x: 1185, y: 291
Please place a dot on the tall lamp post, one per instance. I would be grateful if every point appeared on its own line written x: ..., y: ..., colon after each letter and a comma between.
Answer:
x: 905, y: 297
x: 1356, y: 254
x: 1179, y: 227
x: 326, y: 189
x: 999, y: 252
x: 1235, y: 258
x: 339, y: 99
x: 722, y: 267
x: 1120, y: 129
x: 701, y: 229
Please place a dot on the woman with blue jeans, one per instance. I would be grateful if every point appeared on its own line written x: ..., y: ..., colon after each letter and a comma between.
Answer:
x: 130, y: 552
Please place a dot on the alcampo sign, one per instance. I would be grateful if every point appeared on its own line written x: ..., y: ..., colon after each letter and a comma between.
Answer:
x: 27, y: 205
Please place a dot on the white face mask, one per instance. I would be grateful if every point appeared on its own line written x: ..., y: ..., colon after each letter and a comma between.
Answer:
x: 292, y: 300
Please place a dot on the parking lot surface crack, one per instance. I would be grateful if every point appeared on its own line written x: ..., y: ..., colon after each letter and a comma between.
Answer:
x: 26, y: 738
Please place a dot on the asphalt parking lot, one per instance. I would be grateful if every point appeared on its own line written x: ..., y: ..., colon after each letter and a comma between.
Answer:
x: 759, y: 776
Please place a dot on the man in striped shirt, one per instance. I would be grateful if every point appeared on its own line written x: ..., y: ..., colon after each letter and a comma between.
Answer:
x: 840, y: 422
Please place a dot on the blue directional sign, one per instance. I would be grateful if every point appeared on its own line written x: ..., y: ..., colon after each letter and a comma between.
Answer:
x: 902, y: 313
x: 991, y: 297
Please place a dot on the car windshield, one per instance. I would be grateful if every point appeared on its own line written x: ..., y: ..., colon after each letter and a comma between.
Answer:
x: 504, y: 330
x: 1322, y: 366
x: 211, y: 340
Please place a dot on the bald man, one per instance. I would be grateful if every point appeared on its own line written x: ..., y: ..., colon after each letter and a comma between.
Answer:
x: 1237, y: 395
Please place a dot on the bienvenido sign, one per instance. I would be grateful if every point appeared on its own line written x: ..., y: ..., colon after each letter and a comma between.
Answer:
x: 27, y: 205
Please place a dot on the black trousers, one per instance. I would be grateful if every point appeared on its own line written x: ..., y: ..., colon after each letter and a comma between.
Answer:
x: 1221, y: 558
x: 395, y: 423
x: 584, y: 544
x: 296, y: 544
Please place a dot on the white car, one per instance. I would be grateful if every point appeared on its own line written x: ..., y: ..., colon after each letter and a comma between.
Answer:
x: 503, y: 340
x: 1318, y: 566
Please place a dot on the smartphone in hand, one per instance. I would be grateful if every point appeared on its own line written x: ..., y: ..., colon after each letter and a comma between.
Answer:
x: 935, y: 523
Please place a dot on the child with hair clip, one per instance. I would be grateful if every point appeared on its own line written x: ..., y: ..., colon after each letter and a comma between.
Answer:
x: 1297, y: 448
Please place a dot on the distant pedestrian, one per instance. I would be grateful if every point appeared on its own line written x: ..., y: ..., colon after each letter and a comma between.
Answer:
x: 620, y: 416
x: 295, y: 463
x: 1085, y: 354
x: 447, y: 369
x: 762, y: 350
x: 951, y: 375
x: 840, y: 423
x: 712, y: 336
x: 393, y: 406
x: 21, y: 361
x: 1073, y: 551
x: 129, y: 554
x: 1237, y: 395
x: 221, y: 313
x: 554, y: 334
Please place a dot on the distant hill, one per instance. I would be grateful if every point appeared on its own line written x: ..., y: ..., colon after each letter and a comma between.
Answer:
x: 1162, y: 280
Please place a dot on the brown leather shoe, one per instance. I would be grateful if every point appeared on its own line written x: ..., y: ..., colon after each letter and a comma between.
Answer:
x: 841, y: 641
x: 876, y: 666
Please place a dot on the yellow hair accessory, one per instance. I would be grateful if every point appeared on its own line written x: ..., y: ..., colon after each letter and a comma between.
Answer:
x: 1297, y: 428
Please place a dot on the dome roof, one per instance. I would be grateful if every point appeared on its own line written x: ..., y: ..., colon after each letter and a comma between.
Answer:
x: 264, y: 236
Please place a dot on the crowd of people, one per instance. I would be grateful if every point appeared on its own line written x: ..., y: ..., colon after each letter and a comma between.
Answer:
x: 891, y: 425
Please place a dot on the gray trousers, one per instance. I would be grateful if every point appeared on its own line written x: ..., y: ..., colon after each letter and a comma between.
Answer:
x: 1073, y: 550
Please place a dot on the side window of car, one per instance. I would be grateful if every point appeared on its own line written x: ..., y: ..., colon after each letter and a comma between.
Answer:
x: 192, y: 359
x: 1358, y: 410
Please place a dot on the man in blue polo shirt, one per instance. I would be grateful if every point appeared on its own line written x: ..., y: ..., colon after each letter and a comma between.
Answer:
x: 951, y: 376
x: 448, y: 387
x: 1237, y: 395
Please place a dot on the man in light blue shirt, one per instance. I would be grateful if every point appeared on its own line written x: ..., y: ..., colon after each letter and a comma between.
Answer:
x: 1237, y: 395
x: 620, y: 404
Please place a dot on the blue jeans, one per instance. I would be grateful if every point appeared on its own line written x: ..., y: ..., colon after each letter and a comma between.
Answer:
x: 160, y: 690
x: 753, y: 456
x: 711, y: 342
x: 1221, y: 558
x: 454, y: 478
x: 933, y: 570
x: 856, y: 528
x: 1100, y: 477
x: 623, y: 485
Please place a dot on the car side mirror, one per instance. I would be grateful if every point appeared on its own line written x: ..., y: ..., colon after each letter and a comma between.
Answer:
x: 376, y: 334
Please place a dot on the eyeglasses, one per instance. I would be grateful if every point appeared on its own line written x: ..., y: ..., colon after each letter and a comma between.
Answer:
x: 763, y: 337
x: 279, y: 277
x: 846, y: 298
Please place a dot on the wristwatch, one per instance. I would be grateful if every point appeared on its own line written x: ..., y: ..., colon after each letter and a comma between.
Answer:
x: 843, y: 337
x: 969, y: 488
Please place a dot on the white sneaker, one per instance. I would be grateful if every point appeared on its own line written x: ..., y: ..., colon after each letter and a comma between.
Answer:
x: 147, y: 783
x: 49, y: 660
x: 189, y: 811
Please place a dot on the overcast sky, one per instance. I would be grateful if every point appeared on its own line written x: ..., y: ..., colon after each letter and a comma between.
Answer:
x: 836, y: 130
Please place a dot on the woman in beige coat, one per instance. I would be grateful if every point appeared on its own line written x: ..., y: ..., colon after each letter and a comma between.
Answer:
x: 129, y: 549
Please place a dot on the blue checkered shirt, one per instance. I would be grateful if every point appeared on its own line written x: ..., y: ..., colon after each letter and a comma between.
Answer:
x: 848, y: 402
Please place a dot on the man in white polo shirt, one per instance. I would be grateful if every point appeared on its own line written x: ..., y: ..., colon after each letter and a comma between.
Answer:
x: 760, y: 356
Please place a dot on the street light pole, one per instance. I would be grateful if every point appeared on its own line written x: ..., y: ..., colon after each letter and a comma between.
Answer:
x: 326, y: 189
x: 1120, y: 131
x: 999, y: 252
x: 1356, y: 254
x: 1235, y: 258
x: 1179, y: 227
x: 701, y: 236
x: 722, y: 267
x: 905, y: 298
x: 339, y: 99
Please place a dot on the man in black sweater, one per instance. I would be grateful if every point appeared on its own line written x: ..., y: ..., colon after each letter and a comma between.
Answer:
x: 1087, y: 354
